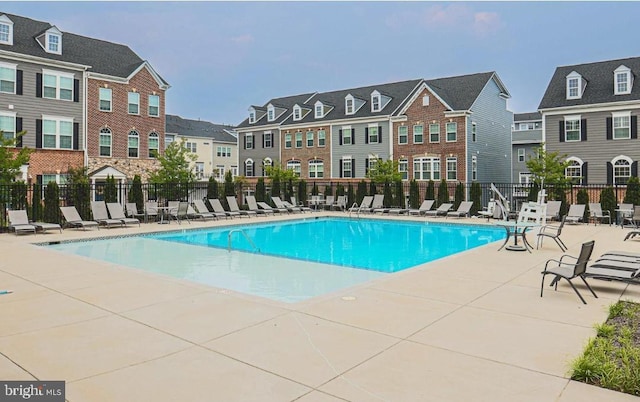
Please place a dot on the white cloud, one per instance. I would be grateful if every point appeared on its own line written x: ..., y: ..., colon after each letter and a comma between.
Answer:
x: 486, y: 23
x: 242, y: 39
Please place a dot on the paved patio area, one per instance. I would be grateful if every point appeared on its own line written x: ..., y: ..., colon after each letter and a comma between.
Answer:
x: 471, y: 327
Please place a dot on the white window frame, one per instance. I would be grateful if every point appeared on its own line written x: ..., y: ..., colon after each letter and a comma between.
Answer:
x: 102, y: 97
x: 525, y: 177
x: 153, y: 99
x: 620, y: 116
x: 297, y: 113
x: 268, y: 139
x: 249, y: 168
x: 153, y: 137
x: 403, y: 132
x: 316, y: 169
x: 474, y: 131
x: 426, y: 168
x: 6, y: 22
x: 349, y: 105
x: 454, y: 131
x: 295, y: 166
x: 618, y: 74
x: 59, y: 77
x: 168, y: 139
x: 452, y: 168
x: 421, y: 133
x: 106, y: 133
x: 191, y: 146
x: 133, y: 102
x: 13, y: 68
x: 574, y: 170
x: 318, y: 110
x: 347, y: 129
x: 572, y: 124
x: 57, y: 131
x: 248, y: 142
x: 572, y: 78
x: 434, y: 130
x: 298, y: 139
x: 199, y: 170
x: 521, y: 155
x: 376, y: 101
x: 619, y: 163
x: 322, y: 138
x: 474, y: 168
x: 403, y: 168
x: 347, y: 161
x: 8, y: 117
x: 373, y: 134
x: 310, y: 136
x: 271, y: 113
x: 252, y: 115
x: 288, y: 141
x: 266, y: 162
x: 133, y: 134
x: 49, y: 43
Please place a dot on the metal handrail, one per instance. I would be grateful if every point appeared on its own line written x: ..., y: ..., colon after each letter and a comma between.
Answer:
x: 255, y: 248
x: 355, y: 204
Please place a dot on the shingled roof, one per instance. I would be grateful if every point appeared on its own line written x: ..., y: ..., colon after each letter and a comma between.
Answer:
x: 286, y: 102
x: 599, y: 89
x: 199, y: 128
x: 530, y: 116
x: 100, y: 56
x: 460, y: 92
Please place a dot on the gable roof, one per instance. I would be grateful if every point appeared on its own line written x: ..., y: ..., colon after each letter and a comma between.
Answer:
x: 199, y: 128
x: 599, y: 88
x: 96, y: 55
x: 460, y: 92
x: 529, y: 116
x: 286, y: 102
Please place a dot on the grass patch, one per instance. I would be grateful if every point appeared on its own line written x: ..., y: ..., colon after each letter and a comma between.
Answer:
x: 612, y: 359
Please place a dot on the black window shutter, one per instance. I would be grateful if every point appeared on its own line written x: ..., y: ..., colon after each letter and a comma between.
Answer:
x: 634, y: 126
x: 353, y: 136
x: 38, y: 85
x: 583, y: 130
x: 561, y: 130
x: 353, y: 168
x: 609, y: 173
x: 18, y: 129
x: 76, y: 136
x: 76, y: 90
x: 610, y: 131
x: 244, y: 138
x: 244, y: 169
x: 379, y: 134
x: 340, y: 140
x: 18, y: 82
x: 39, y: 179
x: 634, y: 169
x: 366, y: 135
x: 38, y: 133
x: 584, y: 174
x: 340, y: 166
x: 366, y: 166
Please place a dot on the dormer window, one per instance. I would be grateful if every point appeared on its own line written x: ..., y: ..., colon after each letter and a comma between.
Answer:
x: 319, y: 110
x: 271, y: 113
x: 53, y: 41
x: 375, y: 101
x: 574, y: 86
x: 349, y: 105
x: 252, y: 115
x: 6, y: 30
x: 297, y: 113
x: 622, y: 80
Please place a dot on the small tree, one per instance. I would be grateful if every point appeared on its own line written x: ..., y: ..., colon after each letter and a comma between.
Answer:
x: 339, y: 189
x: 52, y: 203
x: 136, y: 195
x: 261, y: 191
x: 328, y: 190
x: 350, y: 195
x: 372, y: 188
x: 384, y: 171
x: 314, y: 189
x: 361, y: 191
x: 388, y: 195
x: 302, y: 192
x: 608, y: 201
x: 430, y: 193
x: 476, y: 197
x: 548, y: 167
x: 175, y: 173
x: 110, y: 190
x: 414, y: 195
x: 458, y: 195
x: 19, y: 195
x: 289, y: 191
x: 632, y: 195
x: 11, y: 160
x: 275, y: 188
x: 534, y: 189
x: 212, y: 189
x: 79, y: 191
x: 36, y: 202
x: 583, y: 198
x: 229, y: 185
x: 398, y: 194
x: 443, y: 193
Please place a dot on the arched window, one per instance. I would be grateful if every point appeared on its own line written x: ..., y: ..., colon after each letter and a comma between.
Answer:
x: 295, y: 166
x: 105, y: 142
x: 154, y: 145
x: 134, y: 144
x: 316, y: 169
x: 574, y: 170
x: 621, y: 169
x: 266, y: 162
x: 248, y: 168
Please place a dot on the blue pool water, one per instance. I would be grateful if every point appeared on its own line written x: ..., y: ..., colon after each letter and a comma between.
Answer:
x: 297, y: 259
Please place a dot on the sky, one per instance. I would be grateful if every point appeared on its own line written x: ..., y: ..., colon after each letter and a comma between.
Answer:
x: 222, y: 57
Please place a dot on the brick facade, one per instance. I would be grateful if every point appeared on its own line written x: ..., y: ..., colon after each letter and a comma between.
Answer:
x: 121, y: 123
x: 433, y: 113
x: 53, y: 161
x: 306, y: 154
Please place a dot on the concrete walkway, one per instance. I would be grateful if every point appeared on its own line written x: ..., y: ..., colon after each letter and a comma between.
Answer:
x: 471, y: 327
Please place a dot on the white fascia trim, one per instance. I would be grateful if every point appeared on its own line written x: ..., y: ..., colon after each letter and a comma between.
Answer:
x: 43, y: 61
x: 59, y: 118
x: 371, y: 119
x: 8, y: 65
x: 109, y: 78
x: 153, y: 73
x: 398, y: 118
x: 458, y: 113
x: 412, y: 94
x: 598, y: 107
x: 8, y: 114
x: 58, y: 73
x: 504, y: 94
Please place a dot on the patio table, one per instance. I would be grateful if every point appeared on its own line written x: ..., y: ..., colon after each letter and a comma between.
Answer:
x: 517, y: 230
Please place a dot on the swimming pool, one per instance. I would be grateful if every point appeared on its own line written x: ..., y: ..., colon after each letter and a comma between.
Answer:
x: 296, y: 259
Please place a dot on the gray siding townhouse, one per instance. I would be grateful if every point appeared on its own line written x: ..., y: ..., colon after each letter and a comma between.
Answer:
x: 590, y: 113
x: 215, y: 145
x: 526, y: 137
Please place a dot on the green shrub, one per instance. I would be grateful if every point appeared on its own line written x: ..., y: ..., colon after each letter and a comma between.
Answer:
x: 458, y: 195
x: 430, y: 193
x: 583, y: 198
x: 414, y: 195
x: 443, y: 193
x: 136, y: 195
x: 476, y: 197
x: 36, y: 202
x: 632, y: 196
x: 52, y: 203
x: 350, y: 195
x: 608, y: 201
x: 361, y: 191
x: 388, y: 195
x: 212, y: 189
x: 110, y: 190
x: 302, y: 192
x: 398, y: 194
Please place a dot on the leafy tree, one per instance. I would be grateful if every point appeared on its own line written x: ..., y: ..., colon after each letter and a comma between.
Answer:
x: 283, y: 175
x: 175, y: 174
x: 79, y: 191
x: 110, y: 190
x: 548, y: 167
x: 275, y: 188
x: 398, y: 194
x: 261, y: 191
x: 414, y: 195
x: 229, y: 185
x: 534, y: 189
x: 12, y: 159
x: 135, y: 194
x: 443, y: 193
x: 212, y: 189
x: 372, y: 188
x: 388, y: 195
x: 458, y: 195
x: 430, y: 193
x: 384, y: 171
x: 583, y: 198
x: 289, y: 191
x: 361, y: 191
x: 476, y: 195
x: 608, y: 201
x: 52, y: 203
x: 350, y: 195
x: 19, y: 195
x: 302, y: 192
x: 632, y: 195
x: 328, y: 190
x: 560, y: 194
x: 36, y: 202
x: 314, y: 189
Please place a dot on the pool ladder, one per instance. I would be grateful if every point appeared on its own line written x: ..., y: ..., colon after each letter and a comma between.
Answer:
x: 231, y: 232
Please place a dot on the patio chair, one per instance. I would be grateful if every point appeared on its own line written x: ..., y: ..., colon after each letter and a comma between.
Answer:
x: 131, y: 210
x: 281, y: 205
x: 341, y: 203
x: 377, y: 205
x: 179, y: 210
x: 609, y: 273
x: 597, y: 215
x: 553, y: 210
x: 441, y: 211
x: 634, y: 219
x: 20, y: 224
x: 268, y: 208
x: 233, y: 207
x: 464, y: 209
x: 72, y: 218
x: 302, y: 207
x: 424, y: 207
x: 624, y: 211
x: 100, y: 214
x: 328, y: 202
x: 364, y: 204
x: 576, y: 267
x: 116, y: 212
x: 218, y: 208
x: 151, y: 210
x: 202, y: 212
x: 253, y: 206
x: 575, y: 214
x: 20, y: 217
x: 553, y: 232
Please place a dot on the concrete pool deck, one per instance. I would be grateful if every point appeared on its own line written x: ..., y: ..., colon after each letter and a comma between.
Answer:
x: 468, y: 327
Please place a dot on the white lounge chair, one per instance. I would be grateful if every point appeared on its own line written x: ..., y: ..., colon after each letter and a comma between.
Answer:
x: 233, y: 207
x: 100, y: 214
x: 20, y: 217
x: 202, y: 212
x: 116, y: 212
x: 441, y: 211
x: 72, y: 218
x: 575, y: 214
x: 218, y: 208
x: 464, y: 209
x: 253, y: 206
x: 424, y: 207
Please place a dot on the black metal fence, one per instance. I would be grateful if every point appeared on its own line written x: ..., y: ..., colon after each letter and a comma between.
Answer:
x: 34, y: 198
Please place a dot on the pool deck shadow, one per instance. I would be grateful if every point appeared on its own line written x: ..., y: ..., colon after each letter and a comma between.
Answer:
x: 467, y: 327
